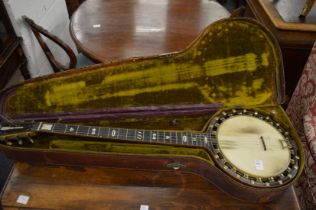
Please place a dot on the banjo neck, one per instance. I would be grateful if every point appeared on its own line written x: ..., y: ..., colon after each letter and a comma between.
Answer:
x: 198, y: 139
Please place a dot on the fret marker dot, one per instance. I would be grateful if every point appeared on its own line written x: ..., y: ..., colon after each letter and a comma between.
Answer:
x: 205, y: 140
x: 93, y: 131
x: 184, y: 139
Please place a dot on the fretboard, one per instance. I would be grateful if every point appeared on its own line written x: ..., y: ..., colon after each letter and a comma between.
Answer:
x: 149, y: 136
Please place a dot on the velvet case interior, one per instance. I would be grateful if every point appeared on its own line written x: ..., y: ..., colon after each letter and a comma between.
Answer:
x: 234, y: 63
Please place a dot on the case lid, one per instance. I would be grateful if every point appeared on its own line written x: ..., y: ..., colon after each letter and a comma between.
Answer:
x: 235, y: 62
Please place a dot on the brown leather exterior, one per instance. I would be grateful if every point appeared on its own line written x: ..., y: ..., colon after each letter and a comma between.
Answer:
x: 196, y: 78
x: 154, y: 163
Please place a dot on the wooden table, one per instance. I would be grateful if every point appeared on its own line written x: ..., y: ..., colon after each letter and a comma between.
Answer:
x: 115, y: 30
x: 295, y: 35
x: 58, y: 187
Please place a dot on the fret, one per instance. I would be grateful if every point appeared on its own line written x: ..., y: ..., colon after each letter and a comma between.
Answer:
x: 89, y: 127
x: 122, y: 133
x: 147, y: 135
x: 130, y: 134
x: 98, y: 133
x: 104, y: 132
x: 197, y: 137
x: 126, y: 137
x: 160, y: 136
x: 167, y: 137
x: 173, y: 137
x: 194, y: 138
x: 150, y: 136
x: 190, y: 138
x: 201, y: 139
x: 53, y: 126
x: 179, y: 136
x: 76, y: 132
x: 118, y: 133
x: 178, y: 139
x: 83, y: 130
x: 65, y: 128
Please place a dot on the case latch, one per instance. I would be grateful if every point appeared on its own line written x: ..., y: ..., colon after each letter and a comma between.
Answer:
x: 175, y: 166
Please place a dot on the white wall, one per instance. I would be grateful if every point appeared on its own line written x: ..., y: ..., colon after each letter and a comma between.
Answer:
x: 50, y: 14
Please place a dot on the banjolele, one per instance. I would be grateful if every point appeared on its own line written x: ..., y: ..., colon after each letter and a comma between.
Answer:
x: 251, y: 147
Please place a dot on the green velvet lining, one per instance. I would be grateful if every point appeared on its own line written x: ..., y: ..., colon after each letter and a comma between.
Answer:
x: 123, y: 148
x: 233, y: 62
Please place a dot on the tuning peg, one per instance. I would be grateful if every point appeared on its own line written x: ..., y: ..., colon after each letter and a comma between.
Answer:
x: 9, y: 143
x: 30, y: 139
x: 5, y: 140
x: 17, y: 138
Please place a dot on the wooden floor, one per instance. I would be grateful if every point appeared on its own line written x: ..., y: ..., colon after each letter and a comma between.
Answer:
x: 58, y: 187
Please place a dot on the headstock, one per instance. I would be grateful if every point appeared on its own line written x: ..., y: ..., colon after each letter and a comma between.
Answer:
x: 16, y: 133
x: 17, y: 138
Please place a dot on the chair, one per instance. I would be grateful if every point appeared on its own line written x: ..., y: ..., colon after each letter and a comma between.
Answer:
x: 302, y: 112
x: 307, y: 7
x: 75, y: 61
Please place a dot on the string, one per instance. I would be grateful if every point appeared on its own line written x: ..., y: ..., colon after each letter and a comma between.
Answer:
x: 7, y: 120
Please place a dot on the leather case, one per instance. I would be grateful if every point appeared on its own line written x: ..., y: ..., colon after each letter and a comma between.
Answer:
x: 234, y: 63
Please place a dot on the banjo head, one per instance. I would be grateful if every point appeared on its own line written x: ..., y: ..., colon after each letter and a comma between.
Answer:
x: 254, y: 148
